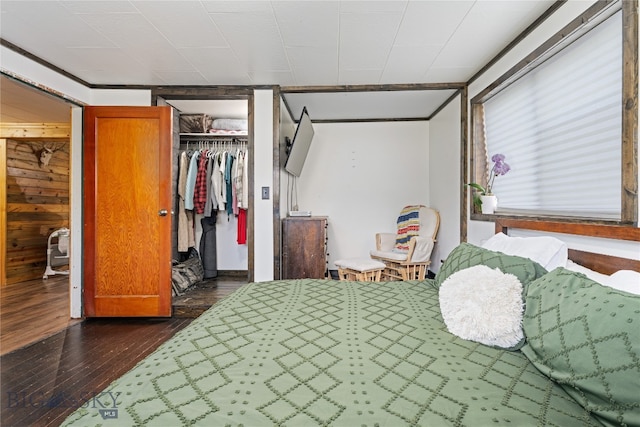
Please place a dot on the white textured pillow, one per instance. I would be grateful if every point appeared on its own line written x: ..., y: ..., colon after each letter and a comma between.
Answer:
x: 483, y: 305
x: 625, y: 280
x: 547, y: 251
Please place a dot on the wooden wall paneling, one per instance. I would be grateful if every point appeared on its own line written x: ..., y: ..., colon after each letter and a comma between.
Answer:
x: 35, y: 130
x: 36, y: 203
x: 3, y: 212
x: 630, y: 112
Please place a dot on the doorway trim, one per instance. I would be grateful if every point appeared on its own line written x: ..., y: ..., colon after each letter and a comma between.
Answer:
x: 215, y: 93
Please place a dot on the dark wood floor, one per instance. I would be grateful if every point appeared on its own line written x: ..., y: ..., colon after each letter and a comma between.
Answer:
x: 34, y: 310
x: 203, y: 295
x: 42, y: 383
x: 30, y: 311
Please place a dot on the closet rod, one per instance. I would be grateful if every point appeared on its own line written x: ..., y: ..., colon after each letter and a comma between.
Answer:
x: 218, y: 139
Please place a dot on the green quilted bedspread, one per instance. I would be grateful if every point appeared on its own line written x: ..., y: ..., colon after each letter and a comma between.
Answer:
x: 322, y: 352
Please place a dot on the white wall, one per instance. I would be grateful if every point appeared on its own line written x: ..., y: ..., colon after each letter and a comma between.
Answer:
x: 263, y: 177
x: 75, y: 215
x: 444, y: 171
x: 361, y: 175
x: 118, y: 97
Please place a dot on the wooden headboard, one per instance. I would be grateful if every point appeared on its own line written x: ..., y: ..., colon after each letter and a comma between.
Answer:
x: 605, y: 264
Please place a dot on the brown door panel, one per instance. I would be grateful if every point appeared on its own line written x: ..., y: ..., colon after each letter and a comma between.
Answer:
x: 127, y: 183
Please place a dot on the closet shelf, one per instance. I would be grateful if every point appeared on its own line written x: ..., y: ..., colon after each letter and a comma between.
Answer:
x: 212, y: 135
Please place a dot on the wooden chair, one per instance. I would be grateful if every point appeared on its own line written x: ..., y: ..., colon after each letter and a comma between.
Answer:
x: 410, y: 263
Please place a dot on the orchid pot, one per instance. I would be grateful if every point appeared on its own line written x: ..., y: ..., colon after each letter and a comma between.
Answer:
x: 489, y: 203
x: 483, y: 198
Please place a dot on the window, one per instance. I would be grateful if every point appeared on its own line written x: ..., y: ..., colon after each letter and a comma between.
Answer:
x: 558, y: 122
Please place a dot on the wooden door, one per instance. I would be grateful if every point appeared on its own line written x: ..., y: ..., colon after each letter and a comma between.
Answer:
x: 127, y: 211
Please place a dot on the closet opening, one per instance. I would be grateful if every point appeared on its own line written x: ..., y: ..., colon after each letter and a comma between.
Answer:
x: 212, y: 191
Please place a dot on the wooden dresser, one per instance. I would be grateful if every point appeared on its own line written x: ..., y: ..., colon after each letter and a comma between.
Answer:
x: 304, y: 247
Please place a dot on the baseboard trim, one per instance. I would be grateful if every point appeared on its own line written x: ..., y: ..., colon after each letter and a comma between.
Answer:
x: 243, y: 274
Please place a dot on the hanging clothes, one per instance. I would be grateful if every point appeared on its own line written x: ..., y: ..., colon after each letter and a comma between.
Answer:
x: 223, y: 186
x: 245, y: 181
x: 243, y: 196
x: 242, y: 227
x: 191, y: 181
x: 183, y: 222
x: 229, y: 183
x: 200, y: 187
x: 216, y: 180
x: 209, y: 204
x: 208, y: 250
x: 238, y: 176
x: 212, y: 179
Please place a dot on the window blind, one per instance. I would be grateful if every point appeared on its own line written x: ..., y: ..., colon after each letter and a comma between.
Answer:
x: 559, y: 127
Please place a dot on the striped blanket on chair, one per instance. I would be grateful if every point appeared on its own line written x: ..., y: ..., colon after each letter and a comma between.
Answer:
x: 408, y: 226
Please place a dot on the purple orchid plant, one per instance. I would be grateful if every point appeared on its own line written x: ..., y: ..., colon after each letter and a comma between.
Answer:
x: 500, y: 167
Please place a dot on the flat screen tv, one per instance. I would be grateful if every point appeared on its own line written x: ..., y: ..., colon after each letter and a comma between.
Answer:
x: 299, y: 147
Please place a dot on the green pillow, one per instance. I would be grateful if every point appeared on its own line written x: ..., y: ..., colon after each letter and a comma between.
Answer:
x: 586, y: 337
x: 466, y: 255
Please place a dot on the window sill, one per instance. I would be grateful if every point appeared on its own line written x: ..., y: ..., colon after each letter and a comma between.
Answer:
x: 546, y: 217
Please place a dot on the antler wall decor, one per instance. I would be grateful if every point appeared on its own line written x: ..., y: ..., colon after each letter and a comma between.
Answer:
x: 45, y: 152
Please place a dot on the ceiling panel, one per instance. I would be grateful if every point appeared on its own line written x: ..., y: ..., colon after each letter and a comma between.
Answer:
x: 308, y: 24
x: 255, y: 39
x: 431, y: 22
x: 404, y: 66
x: 183, y: 24
x: 217, y: 66
x: 98, y: 6
x: 366, y: 39
x: 378, y: 6
x: 487, y: 18
x: 418, y: 104
x: 126, y: 30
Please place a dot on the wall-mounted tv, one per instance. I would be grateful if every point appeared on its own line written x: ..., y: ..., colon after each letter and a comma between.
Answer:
x: 299, y: 147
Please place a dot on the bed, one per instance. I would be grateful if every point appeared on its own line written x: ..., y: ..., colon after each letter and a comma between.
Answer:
x: 341, y: 353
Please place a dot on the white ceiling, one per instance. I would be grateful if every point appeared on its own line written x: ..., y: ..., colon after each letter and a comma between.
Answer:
x: 288, y: 43
x: 335, y: 106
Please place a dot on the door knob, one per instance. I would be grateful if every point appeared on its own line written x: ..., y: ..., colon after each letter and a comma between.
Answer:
x: 162, y: 212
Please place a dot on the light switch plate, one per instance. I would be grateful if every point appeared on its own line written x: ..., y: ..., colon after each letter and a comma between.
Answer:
x: 265, y: 193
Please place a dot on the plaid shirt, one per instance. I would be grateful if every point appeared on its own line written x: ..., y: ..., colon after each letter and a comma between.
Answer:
x: 200, y: 191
